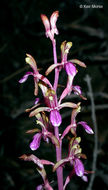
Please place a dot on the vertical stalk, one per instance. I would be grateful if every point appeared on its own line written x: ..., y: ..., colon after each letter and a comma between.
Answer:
x: 56, y: 69
x: 58, y: 157
x: 56, y: 129
x: 93, y: 115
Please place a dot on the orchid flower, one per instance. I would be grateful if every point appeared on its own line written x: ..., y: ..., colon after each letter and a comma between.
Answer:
x: 45, y: 133
x: 40, y: 168
x: 37, y: 76
x: 50, y: 26
x: 73, y: 126
x: 74, y: 156
x: 52, y: 106
x: 69, y: 67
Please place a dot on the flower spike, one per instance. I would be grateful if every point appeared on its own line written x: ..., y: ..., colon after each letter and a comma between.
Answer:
x: 47, y: 108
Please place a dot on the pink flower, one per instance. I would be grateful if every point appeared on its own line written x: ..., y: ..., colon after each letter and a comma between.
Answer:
x: 37, y: 76
x: 73, y: 126
x: 69, y: 67
x: 74, y: 159
x: 52, y: 106
x: 50, y: 26
x: 46, y: 132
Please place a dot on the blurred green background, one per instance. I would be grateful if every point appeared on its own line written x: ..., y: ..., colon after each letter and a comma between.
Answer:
x: 21, y: 32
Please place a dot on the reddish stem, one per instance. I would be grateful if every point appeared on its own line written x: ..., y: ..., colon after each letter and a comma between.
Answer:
x: 58, y: 157
x: 56, y: 129
x: 56, y: 69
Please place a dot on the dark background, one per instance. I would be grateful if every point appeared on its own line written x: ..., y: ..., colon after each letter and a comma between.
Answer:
x: 21, y: 32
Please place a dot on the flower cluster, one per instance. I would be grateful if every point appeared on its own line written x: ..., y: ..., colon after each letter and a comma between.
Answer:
x: 47, y: 112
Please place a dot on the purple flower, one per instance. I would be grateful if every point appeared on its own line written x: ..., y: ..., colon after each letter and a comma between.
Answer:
x: 52, y: 105
x: 40, y: 169
x: 69, y: 67
x: 73, y: 125
x: 44, y: 133
x: 74, y: 159
x: 30, y: 60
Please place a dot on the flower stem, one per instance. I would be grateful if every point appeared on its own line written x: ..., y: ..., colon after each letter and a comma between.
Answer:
x: 56, y: 129
x: 56, y: 69
x: 58, y: 157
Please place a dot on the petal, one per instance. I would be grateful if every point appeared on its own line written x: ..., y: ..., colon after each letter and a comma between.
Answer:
x: 37, y: 101
x: 34, y: 145
x: 32, y: 158
x: 86, y: 127
x: 31, y: 61
x: 70, y: 69
x: 45, y: 22
x: 68, y: 105
x: 55, y: 118
x: 40, y: 109
x: 52, y: 67
x: 64, y: 94
x: 62, y: 47
x: 68, y: 178
x: 77, y: 90
x: 76, y: 61
x: 36, y: 86
x: 66, y: 131
x: 30, y: 109
x: 60, y: 163
x: 39, y: 187
x: 47, y: 162
x: 54, y: 140
x: 67, y: 47
x: 25, y: 77
x: 79, y: 168
x: 43, y: 87
x: 84, y: 178
x: 33, y: 131
x: 53, y: 20
x: 68, y: 88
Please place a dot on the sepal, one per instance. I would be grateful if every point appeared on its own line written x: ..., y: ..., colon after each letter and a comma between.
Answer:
x: 32, y: 158
x: 25, y: 77
x: 76, y: 61
x: 60, y: 163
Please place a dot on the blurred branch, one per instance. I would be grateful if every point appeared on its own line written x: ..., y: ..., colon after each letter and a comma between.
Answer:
x: 93, y: 115
x: 88, y: 109
x: 9, y: 77
x: 87, y: 29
